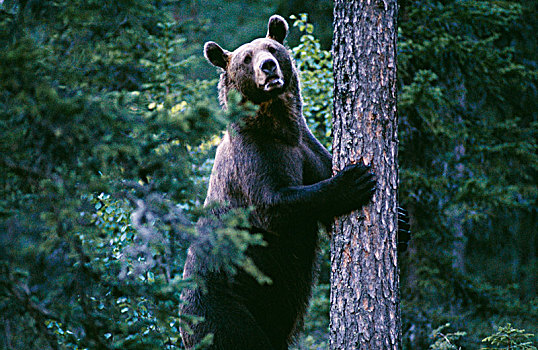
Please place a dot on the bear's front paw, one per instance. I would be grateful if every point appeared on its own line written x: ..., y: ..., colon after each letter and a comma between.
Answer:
x: 356, y: 186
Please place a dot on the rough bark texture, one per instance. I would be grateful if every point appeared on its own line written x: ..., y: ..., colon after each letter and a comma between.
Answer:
x: 364, y: 274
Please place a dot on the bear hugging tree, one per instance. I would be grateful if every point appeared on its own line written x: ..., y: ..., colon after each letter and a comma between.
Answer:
x: 271, y: 162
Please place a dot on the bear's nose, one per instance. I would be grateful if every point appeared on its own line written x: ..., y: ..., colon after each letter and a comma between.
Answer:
x: 268, y: 66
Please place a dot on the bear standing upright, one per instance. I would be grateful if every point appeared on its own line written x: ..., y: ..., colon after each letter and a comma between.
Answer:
x: 271, y: 162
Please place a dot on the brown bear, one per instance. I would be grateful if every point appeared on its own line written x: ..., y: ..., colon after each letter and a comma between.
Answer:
x: 271, y: 162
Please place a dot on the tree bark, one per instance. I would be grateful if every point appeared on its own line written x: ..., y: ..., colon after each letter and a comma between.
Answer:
x: 364, y: 272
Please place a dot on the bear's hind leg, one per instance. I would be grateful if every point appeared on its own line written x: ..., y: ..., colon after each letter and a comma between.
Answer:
x: 232, y: 325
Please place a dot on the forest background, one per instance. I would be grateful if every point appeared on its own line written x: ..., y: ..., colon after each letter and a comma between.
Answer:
x: 109, y: 122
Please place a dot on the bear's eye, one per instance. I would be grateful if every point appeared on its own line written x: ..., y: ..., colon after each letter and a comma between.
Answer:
x: 247, y: 59
x: 271, y: 49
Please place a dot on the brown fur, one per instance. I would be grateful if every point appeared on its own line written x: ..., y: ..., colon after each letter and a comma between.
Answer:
x: 269, y: 161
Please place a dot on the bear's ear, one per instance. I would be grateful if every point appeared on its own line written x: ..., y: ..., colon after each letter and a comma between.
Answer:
x: 216, y: 55
x: 277, y: 29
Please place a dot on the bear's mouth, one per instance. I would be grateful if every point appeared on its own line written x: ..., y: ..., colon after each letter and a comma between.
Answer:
x: 273, y: 83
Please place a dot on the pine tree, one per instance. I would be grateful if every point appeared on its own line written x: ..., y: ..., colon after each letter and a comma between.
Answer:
x: 364, y: 273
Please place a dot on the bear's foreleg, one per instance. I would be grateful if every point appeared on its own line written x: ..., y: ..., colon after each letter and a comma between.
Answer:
x: 349, y: 190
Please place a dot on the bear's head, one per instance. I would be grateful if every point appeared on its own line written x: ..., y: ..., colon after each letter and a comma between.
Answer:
x: 260, y: 70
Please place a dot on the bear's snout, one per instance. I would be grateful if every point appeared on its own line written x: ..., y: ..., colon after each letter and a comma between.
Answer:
x: 267, y: 72
x: 269, y: 66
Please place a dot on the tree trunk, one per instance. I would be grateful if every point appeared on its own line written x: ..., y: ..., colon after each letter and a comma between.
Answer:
x: 364, y: 273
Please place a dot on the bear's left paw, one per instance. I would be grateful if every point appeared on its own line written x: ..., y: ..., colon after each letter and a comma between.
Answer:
x: 355, y: 187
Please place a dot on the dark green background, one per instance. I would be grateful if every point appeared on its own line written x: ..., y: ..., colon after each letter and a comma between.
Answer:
x: 108, y: 107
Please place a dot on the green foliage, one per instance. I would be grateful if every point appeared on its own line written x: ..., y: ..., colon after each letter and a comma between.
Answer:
x: 508, y: 337
x: 468, y: 161
x: 445, y: 341
x: 106, y: 140
x: 316, y: 68
x: 104, y: 145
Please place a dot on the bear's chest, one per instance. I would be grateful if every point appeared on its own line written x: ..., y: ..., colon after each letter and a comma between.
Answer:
x: 245, y: 169
x: 274, y: 161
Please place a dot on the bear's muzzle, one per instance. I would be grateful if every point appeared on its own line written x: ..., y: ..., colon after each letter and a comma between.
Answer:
x: 267, y: 72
